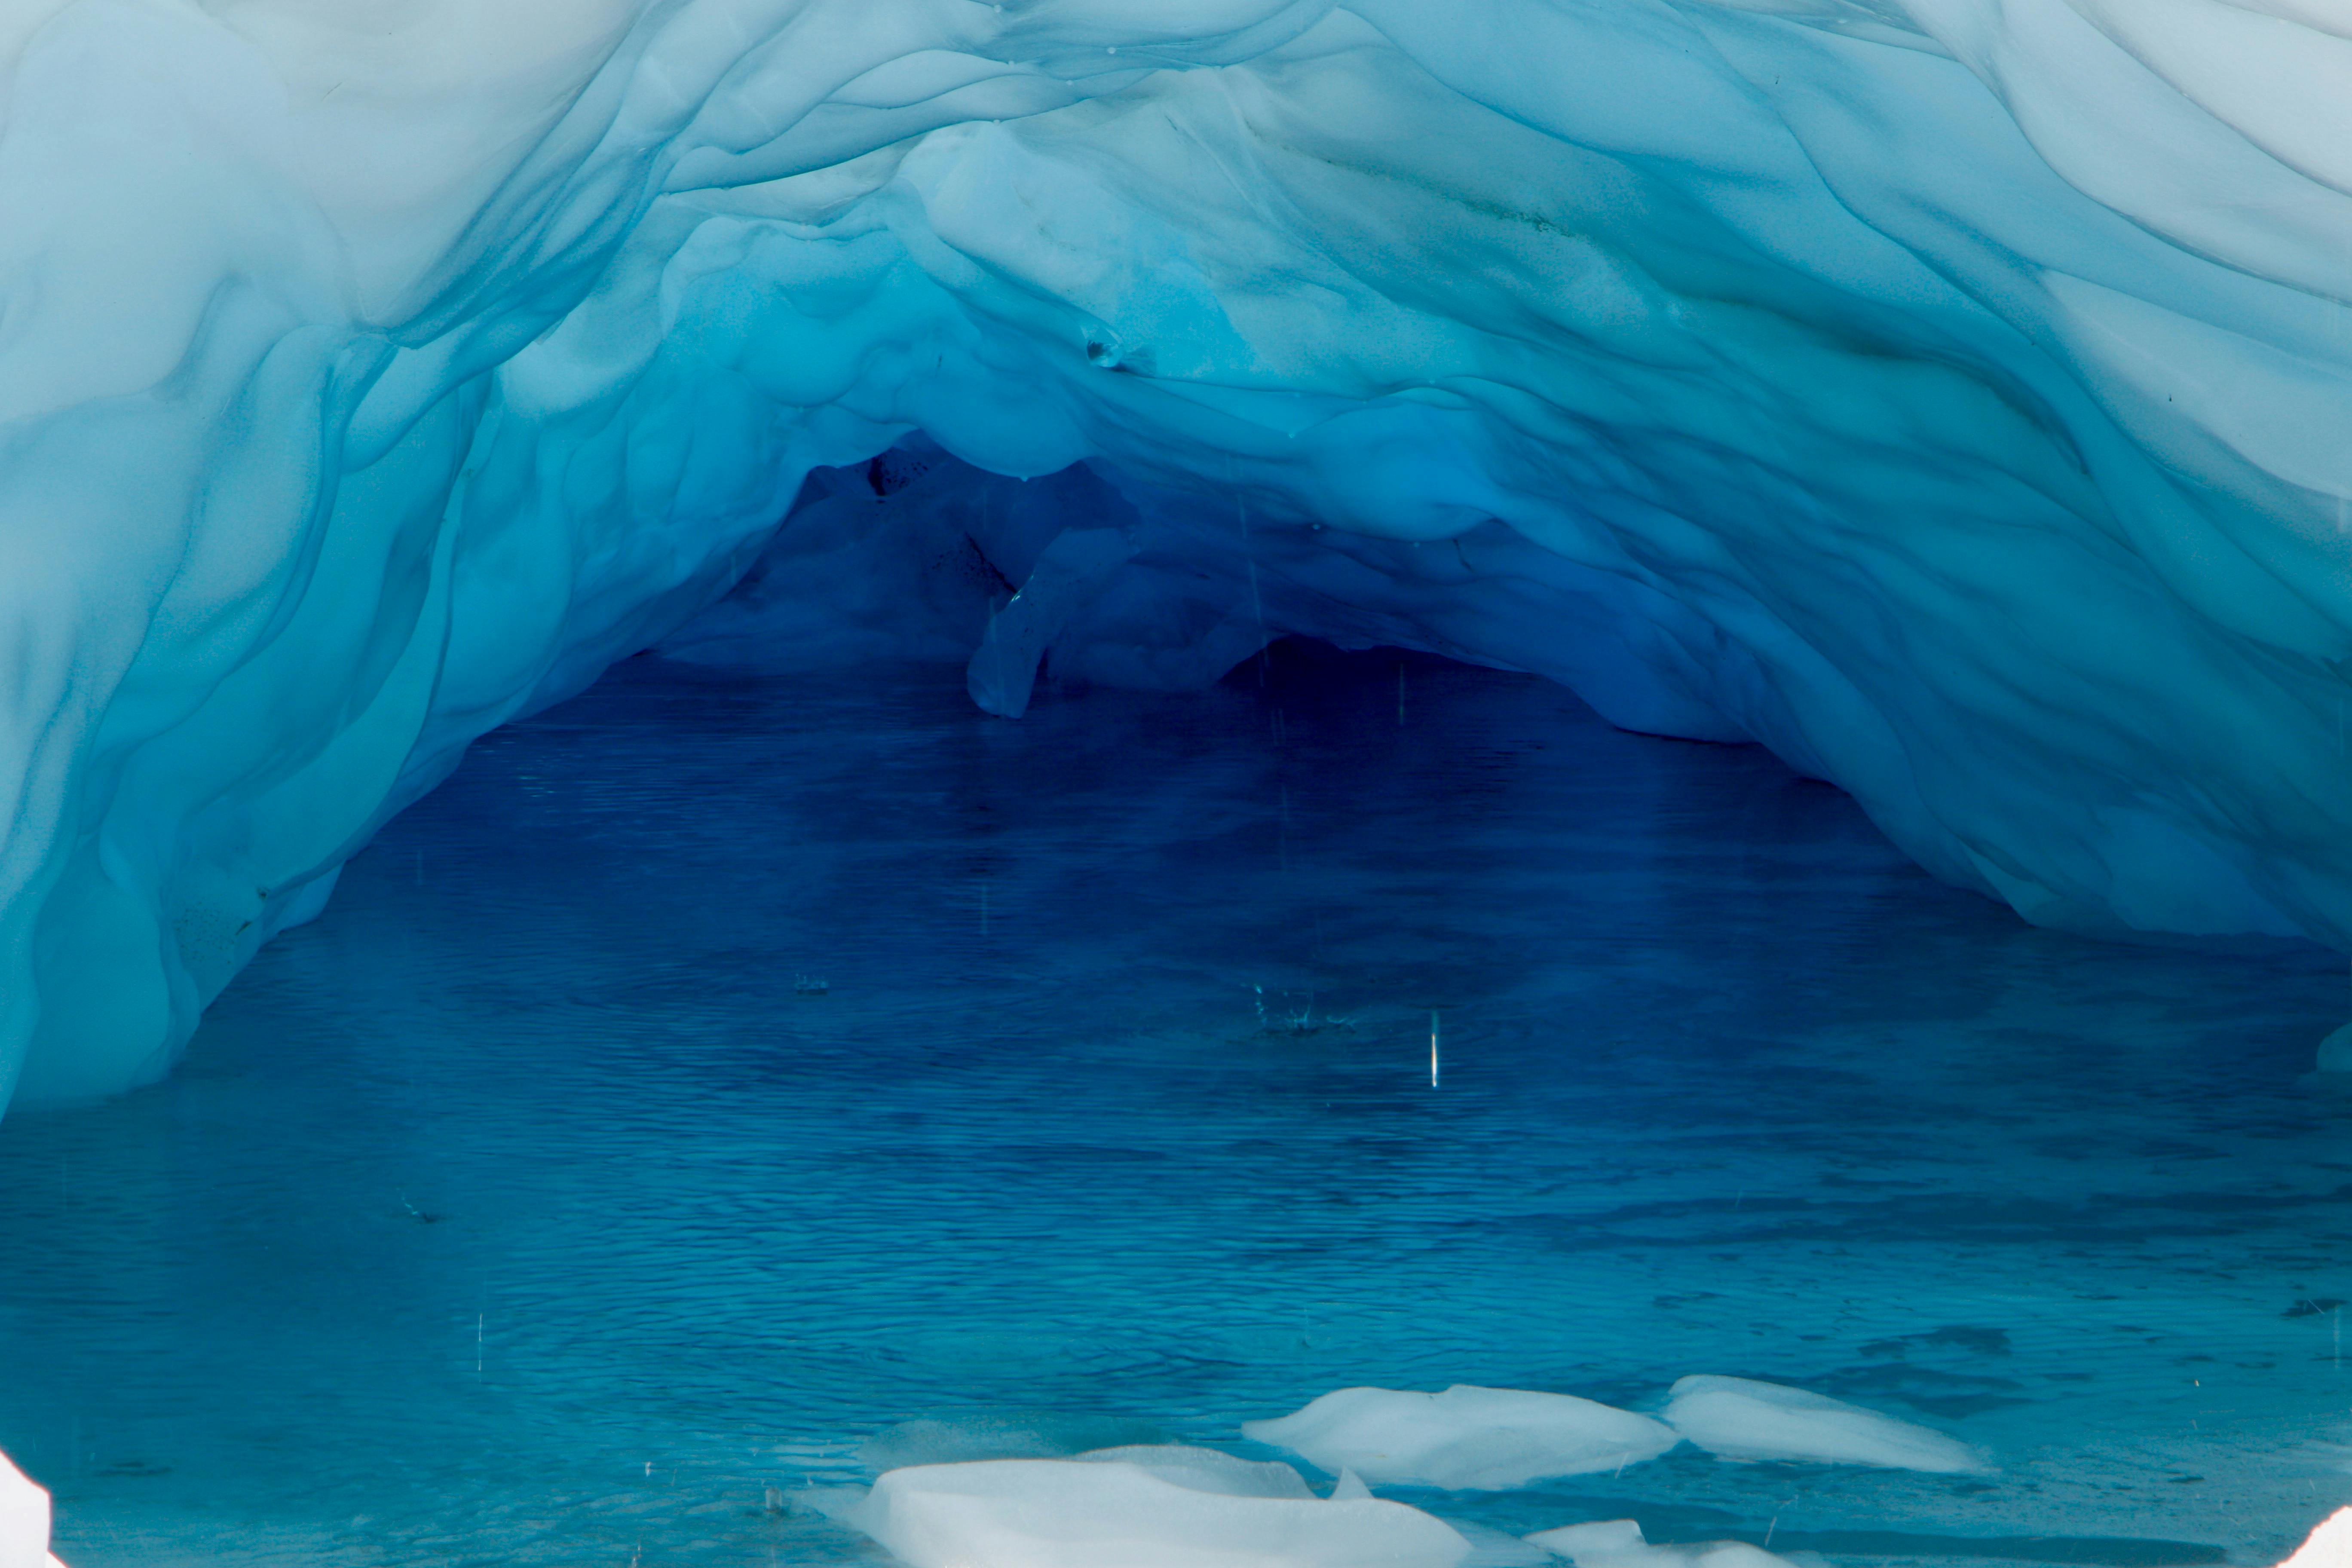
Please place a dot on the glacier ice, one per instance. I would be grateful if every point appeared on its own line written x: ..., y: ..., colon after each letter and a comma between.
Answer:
x: 1465, y: 1439
x: 1948, y: 394
x: 1154, y: 1508
x: 1739, y: 1418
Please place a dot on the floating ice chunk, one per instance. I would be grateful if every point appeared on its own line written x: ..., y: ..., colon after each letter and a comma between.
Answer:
x: 1000, y: 1435
x: 2329, y: 1546
x: 1468, y: 1439
x: 1736, y: 1418
x: 1103, y: 1512
x: 24, y: 1520
x: 1619, y: 1543
x: 1207, y: 1470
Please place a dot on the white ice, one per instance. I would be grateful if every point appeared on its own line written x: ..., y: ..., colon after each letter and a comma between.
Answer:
x: 1950, y: 394
x: 1000, y: 1435
x: 2329, y: 1545
x: 1619, y: 1543
x: 1209, y: 1471
x: 1465, y: 1438
x: 1738, y: 1418
x: 24, y: 1520
x: 1152, y: 1507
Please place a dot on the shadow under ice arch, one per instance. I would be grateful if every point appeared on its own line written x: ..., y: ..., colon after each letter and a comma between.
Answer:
x: 1856, y: 381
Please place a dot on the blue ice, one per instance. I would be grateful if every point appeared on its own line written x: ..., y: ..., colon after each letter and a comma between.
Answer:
x: 737, y: 735
x: 1948, y: 394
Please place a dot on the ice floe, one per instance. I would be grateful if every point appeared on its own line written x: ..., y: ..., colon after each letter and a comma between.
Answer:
x: 1738, y: 1418
x: 1158, y: 1506
x: 1001, y: 1433
x: 1466, y: 1439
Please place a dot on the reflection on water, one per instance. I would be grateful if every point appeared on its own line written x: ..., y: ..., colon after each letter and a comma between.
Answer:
x: 715, y: 1075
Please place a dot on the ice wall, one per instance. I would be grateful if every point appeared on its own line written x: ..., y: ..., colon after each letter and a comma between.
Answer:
x: 1945, y: 393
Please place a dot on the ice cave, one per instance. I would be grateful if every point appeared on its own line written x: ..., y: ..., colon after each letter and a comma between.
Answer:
x: 1175, y: 784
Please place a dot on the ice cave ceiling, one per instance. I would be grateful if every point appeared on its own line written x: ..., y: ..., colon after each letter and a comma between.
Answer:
x: 1948, y: 394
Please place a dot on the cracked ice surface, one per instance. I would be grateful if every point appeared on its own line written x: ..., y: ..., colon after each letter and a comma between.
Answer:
x: 1948, y: 394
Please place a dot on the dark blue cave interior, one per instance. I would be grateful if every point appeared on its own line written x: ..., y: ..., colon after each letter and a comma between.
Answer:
x: 730, y: 1085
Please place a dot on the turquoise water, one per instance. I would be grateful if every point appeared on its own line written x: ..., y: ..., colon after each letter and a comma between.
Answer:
x: 536, y: 1206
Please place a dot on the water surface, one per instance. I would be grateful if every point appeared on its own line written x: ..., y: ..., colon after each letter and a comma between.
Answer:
x: 719, y: 1071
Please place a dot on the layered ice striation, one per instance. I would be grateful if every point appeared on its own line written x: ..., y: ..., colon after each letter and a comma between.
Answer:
x: 1948, y: 394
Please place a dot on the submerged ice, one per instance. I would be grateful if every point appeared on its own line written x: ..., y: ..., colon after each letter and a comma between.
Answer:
x: 1947, y: 394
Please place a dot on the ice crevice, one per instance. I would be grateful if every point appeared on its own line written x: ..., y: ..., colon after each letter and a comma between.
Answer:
x: 1948, y: 395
